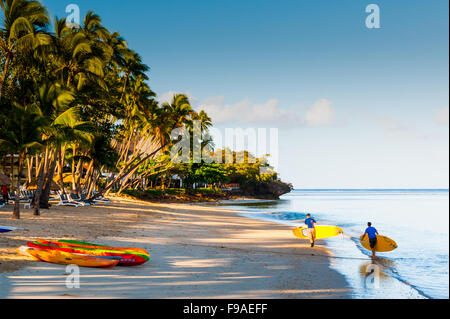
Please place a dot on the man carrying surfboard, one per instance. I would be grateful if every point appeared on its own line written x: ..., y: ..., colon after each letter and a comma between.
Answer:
x: 311, y: 223
x: 372, y: 233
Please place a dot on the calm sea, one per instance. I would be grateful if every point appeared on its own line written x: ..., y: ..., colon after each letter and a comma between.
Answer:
x: 418, y: 220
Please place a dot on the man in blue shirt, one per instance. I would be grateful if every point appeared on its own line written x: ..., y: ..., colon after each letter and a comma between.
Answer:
x: 311, y: 231
x: 372, y: 233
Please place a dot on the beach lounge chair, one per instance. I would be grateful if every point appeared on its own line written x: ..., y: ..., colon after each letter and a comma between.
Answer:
x: 53, y: 195
x: 31, y: 194
x: 22, y: 197
x: 63, y: 201
x: 12, y: 197
x: 97, y: 200
x: 76, y: 199
x: 100, y: 199
x: 25, y: 197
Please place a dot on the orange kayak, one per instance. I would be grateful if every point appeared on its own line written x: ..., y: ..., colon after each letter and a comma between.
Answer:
x: 64, y: 258
x: 126, y: 258
x: 79, y: 244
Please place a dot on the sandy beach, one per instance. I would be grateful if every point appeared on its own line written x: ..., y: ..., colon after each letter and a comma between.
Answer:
x: 196, y: 252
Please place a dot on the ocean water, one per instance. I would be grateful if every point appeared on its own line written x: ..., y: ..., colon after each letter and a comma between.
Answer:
x: 418, y: 220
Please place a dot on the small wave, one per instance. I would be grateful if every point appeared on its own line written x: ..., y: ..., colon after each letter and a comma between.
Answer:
x: 285, y: 218
x: 398, y: 268
x: 393, y: 272
x: 271, y: 218
x: 389, y: 267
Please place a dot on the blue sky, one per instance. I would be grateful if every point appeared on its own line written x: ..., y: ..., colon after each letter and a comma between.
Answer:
x: 356, y: 107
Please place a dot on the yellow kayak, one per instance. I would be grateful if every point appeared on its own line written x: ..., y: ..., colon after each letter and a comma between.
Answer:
x: 63, y: 258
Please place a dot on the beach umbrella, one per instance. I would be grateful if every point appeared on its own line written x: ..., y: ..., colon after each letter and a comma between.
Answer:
x: 5, y: 180
x: 33, y: 185
x: 67, y: 178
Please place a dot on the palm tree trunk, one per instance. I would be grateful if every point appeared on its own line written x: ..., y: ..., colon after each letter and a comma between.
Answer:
x: 73, y: 167
x: 60, y: 171
x: 89, y: 176
x: 126, y: 170
x: 37, y: 168
x: 79, y: 176
x: 16, y: 213
x: 39, y: 163
x: 94, y: 182
x: 29, y: 168
x: 126, y: 149
x: 46, y: 191
x: 127, y: 182
x: 40, y: 183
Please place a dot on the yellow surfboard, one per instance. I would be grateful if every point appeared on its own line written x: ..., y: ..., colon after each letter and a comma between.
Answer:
x: 384, y: 244
x: 321, y: 232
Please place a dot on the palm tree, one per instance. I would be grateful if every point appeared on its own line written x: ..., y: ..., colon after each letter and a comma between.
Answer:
x: 93, y: 28
x: 23, y: 23
x: 62, y: 126
x: 158, y: 127
x: 98, y: 36
x: 171, y: 116
x: 74, y: 57
x: 205, y: 120
x: 205, y: 142
x: 138, y: 104
x: 79, y: 57
x: 53, y: 100
x: 118, y: 47
x: 101, y: 155
x: 131, y: 65
x: 68, y: 129
x: 89, y: 93
x: 21, y: 134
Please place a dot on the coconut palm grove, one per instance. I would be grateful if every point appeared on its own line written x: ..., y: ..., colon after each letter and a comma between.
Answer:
x: 78, y: 116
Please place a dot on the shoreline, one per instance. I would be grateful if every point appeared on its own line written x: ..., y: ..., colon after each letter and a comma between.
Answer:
x: 386, y: 277
x: 196, y: 252
x: 351, y: 261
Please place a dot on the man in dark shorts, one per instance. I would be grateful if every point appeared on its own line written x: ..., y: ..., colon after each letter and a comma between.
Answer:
x: 372, y: 233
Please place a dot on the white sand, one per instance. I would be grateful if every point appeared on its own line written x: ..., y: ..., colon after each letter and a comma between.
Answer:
x: 196, y: 252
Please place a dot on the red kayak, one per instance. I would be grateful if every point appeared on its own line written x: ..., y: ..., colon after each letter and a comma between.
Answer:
x: 126, y: 259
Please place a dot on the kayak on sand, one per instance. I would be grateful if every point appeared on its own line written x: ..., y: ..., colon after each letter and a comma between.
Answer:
x: 64, y: 258
x: 80, y: 244
x: 7, y: 229
x: 132, y: 251
x: 126, y: 259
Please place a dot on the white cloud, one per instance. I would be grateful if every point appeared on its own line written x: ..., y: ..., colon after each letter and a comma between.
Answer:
x: 321, y: 113
x: 442, y: 116
x: 269, y: 113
